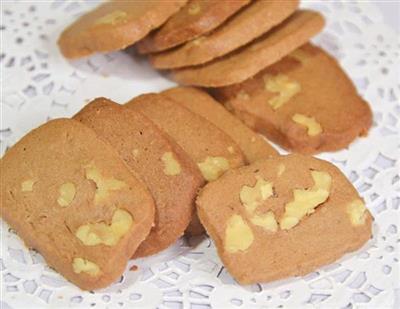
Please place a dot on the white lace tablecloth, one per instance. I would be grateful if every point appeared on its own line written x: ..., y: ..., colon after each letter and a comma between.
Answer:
x: 38, y: 85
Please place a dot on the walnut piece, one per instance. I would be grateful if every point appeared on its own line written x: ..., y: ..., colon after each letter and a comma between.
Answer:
x: 104, y: 185
x: 357, y: 212
x: 67, y: 193
x: 266, y: 221
x: 282, y: 85
x: 80, y: 265
x: 313, y: 127
x: 238, y: 235
x: 171, y: 165
x: 27, y: 185
x: 306, y: 200
x: 213, y: 167
x: 93, y: 234
x: 252, y: 197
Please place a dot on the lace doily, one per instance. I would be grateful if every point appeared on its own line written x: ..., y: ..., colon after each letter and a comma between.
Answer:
x: 39, y: 84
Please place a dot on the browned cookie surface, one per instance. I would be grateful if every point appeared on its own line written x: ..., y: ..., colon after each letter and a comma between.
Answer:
x: 212, y: 150
x: 115, y: 25
x: 253, y: 146
x: 171, y: 176
x: 247, y: 61
x: 196, y: 18
x: 305, y: 103
x: 71, y: 197
x: 281, y: 217
x: 253, y: 21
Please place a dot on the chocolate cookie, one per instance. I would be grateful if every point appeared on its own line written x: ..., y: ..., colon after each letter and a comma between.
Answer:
x: 281, y: 217
x: 304, y: 103
x: 171, y: 176
x: 196, y: 18
x: 115, y: 25
x: 70, y: 196
x: 213, y: 151
x: 253, y: 146
x: 247, y: 61
x: 253, y: 21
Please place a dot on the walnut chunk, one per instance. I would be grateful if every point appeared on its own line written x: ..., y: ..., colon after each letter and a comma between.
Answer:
x: 266, y: 221
x: 238, y: 235
x: 252, y: 197
x: 306, y: 200
x: 67, y: 193
x: 213, y: 167
x: 313, y: 127
x: 104, y: 185
x: 27, y: 185
x: 357, y: 212
x: 282, y: 85
x: 81, y: 265
x: 113, y: 18
x: 93, y: 234
x: 171, y: 165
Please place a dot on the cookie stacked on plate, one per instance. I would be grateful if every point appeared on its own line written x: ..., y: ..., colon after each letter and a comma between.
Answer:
x: 121, y: 181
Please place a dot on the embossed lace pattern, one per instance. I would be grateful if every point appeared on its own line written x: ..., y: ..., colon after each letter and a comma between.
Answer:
x: 38, y: 85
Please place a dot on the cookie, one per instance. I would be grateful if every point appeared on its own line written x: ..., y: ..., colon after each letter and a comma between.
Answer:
x: 196, y: 18
x: 70, y: 196
x: 250, y: 23
x: 247, y: 61
x: 304, y: 103
x: 281, y: 217
x: 171, y: 176
x: 115, y: 25
x: 253, y: 146
x: 213, y: 151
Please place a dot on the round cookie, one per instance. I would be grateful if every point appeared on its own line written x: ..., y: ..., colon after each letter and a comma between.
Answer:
x: 115, y: 25
x: 213, y: 151
x: 281, y: 217
x: 171, y: 176
x: 253, y: 21
x: 304, y: 103
x: 196, y: 18
x: 247, y: 61
x: 70, y: 196
x: 253, y: 146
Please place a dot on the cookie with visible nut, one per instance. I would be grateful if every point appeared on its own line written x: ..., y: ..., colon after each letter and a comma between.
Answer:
x: 250, y: 59
x: 253, y: 146
x: 171, y: 176
x: 70, y: 196
x: 115, y: 25
x: 248, y: 24
x: 194, y: 19
x: 281, y: 217
x: 304, y: 103
x: 206, y: 144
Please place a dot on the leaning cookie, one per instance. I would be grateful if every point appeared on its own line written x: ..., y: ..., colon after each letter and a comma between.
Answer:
x: 253, y: 146
x: 171, y: 176
x: 248, y: 24
x: 115, y: 25
x: 304, y: 103
x: 281, y: 217
x: 247, y: 61
x: 212, y: 150
x: 70, y: 196
x: 194, y: 19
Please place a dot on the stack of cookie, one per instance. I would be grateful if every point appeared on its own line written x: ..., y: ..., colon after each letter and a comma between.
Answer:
x: 253, y: 56
x: 122, y: 181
